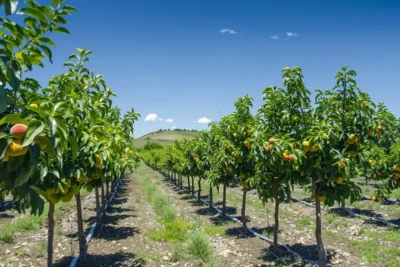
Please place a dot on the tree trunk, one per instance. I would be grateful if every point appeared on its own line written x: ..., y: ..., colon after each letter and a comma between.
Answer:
x: 276, y: 216
x: 343, y: 204
x: 288, y: 196
x: 192, y: 185
x: 81, y: 234
x: 188, y: 183
x: 50, y: 235
x: 224, y: 200
x: 102, y: 197
x: 322, y: 258
x: 244, y: 208
x: 198, y: 196
x: 107, y: 192
x: 98, y: 210
x: 211, y: 197
x: 181, y: 180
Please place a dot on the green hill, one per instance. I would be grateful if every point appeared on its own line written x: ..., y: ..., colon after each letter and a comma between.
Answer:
x: 164, y: 138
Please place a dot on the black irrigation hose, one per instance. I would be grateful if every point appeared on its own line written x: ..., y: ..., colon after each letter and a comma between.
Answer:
x: 386, y: 200
x: 252, y: 231
x: 355, y: 214
x: 90, y: 235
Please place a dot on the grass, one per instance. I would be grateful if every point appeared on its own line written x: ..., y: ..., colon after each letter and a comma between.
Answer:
x: 192, y: 237
x: 374, y: 251
x: 178, y: 253
x: 334, y: 219
x: 303, y: 222
x: 30, y: 222
x: 198, y: 246
x: 42, y: 249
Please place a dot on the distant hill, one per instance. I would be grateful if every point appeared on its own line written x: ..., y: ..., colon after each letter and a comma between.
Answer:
x: 164, y: 138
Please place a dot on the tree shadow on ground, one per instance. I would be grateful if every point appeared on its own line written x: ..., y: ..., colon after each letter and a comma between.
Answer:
x: 6, y: 216
x: 220, y: 220
x: 308, y: 252
x: 111, y: 219
x: 207, y: 211
x: 111, y: 232
x: 114, y: 259
x: 363, y: 212
x: 238, y: 232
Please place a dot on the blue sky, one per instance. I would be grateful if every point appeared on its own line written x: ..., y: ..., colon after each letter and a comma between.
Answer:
x: 173, y: 58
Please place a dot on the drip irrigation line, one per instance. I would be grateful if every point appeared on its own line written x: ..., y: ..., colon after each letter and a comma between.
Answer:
x: 365, y: 217
x: 255, y: 233
x: 93, y: 227
x: 386, y: 200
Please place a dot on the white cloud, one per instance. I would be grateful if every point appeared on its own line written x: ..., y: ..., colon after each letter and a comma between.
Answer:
x: 173, y: 127
x: 169, y: 120
x: 291, y: 34
x: 151, y: 117
x: 203, y: 120
x: 161, y: 119
x: 275, y: 37
x: 229, y: 31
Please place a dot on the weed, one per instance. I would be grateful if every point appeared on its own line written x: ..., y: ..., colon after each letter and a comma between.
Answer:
x: 334, y: 219
x: 178, y: 253
x: 303, y: 222
x: 58, y: 230
x: 198, y: 246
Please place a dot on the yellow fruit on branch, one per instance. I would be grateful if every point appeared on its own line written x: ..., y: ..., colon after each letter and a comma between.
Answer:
x: 369, y: 132
x: 268, y: 148
x: 246, y: 186
x: 50, y: 191
x: 291, y: 157
x: 294, y: 145
x: 379, y: 127
x: 397, y: 176
x: 246, y: 144
x: 314, y: 148
x: 373, y: 198
x: 234, y: 134
x: 272, y: 140
x: 340, y: 180
x: 16, y: 149
x: 33, y: 105
x: 18, y: 130
x: 242, y: 176
x: 341, y: 165
x: 321, y: 198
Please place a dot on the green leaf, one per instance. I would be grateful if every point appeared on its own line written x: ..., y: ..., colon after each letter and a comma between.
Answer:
x: 33, y: 12
x: 34, y: 128
x: 47, y: 41
x: 55, y: 3
x: 39, y: 111
x: 3, y: 146
x: 47, y: 51
x: 14, y: 163
x: 10, y: 6
x: 3, y: 99
x: 61, y: 30
x: 36, y: 203
x: 70, y: 8
x: 74, y: 146
x: 23, y: 174
x: 11, y: 118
